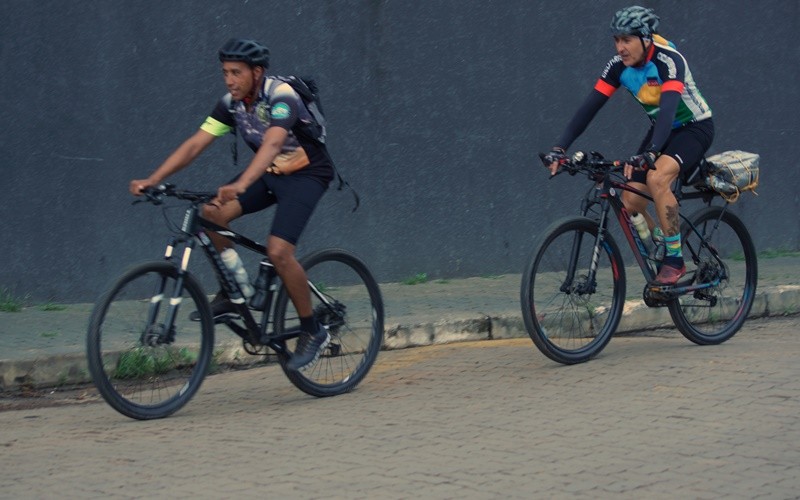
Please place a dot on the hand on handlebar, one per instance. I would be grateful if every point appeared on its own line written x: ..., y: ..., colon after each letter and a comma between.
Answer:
x: 554, y: 159
x: 229, y: 192
x: 644, y: 161
x: 138, y: 186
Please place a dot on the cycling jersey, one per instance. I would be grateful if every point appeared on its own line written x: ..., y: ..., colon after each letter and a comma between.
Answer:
x: 277, y: 105
x: 664, y: 69
x: 663, y: 85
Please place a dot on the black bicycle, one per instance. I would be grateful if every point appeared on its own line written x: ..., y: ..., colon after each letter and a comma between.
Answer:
x: 573, y: 288
x: 149, y: 351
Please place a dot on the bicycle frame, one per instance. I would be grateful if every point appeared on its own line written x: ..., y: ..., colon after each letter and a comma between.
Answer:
x: 194, y: 228
x: 607, y: 194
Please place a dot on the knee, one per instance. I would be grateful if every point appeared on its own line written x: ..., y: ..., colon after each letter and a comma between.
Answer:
x: 660, y: 182
x: 280, y: 255
x: 215, y: 215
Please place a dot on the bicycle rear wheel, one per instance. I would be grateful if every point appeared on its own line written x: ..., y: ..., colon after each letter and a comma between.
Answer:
x: 569, y: 318
x: 141, y: 368
x: 723, y: 251
x: 353, y: 316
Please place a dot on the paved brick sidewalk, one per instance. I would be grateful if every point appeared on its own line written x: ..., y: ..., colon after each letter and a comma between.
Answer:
x: 651, y: 417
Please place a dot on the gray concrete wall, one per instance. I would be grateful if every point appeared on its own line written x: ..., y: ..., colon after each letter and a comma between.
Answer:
x: 437, y: 109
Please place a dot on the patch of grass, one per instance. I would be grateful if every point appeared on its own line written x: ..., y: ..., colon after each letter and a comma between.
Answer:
x: 10, y: 302
x: 778, y: 252
x: 145, y: 362
x: 49, y: 335
x: 416, y: 279
x: 214, y: 366
x: 49, y: 306
x: 737, y: 256
x: 493, y: 276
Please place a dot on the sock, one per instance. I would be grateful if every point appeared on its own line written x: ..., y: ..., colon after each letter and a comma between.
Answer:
x: 673, y: 244
x: 308, y: 324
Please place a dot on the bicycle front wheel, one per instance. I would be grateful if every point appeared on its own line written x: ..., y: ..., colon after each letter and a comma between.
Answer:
x: 143, y: 365
x: 570, y: 316
x: 721, y: 252
x: 346, y: 300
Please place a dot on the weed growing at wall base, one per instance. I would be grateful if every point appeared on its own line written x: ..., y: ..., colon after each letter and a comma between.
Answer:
x: 10, y: 302
x: 416, y: 279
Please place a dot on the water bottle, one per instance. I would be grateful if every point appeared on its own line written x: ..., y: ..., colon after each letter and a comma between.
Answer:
x: 234, y: 263
x: 722, y: 186
x: 259, y: 298
x: 659, y: 245
x: 640, y: 223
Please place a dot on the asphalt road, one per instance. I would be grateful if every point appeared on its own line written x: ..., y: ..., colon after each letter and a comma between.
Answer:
x: 651, y: 417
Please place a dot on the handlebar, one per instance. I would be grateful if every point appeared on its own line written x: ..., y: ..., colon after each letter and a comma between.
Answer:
x: 156, y: 194
x: 579, y: 162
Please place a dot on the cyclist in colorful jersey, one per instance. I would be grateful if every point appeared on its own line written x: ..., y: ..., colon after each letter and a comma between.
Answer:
x: 681, y: 131
x: 289, y: 169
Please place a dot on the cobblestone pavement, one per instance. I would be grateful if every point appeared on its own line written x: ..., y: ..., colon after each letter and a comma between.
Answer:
x: 651, y: 417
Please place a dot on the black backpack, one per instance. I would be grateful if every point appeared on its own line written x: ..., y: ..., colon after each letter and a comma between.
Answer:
x: 307, y: 89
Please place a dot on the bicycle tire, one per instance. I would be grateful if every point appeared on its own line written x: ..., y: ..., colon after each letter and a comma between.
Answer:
x: 138, y: 376
x: 569, y: 325
x: 356, y: 336
x: 714, y: 315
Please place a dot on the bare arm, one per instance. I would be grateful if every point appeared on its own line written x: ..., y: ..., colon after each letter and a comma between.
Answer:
x: 274, y: 138
x: 181, y: 157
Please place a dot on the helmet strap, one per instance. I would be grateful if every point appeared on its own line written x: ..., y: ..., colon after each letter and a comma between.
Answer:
x: 256, y: 88
x: 645, y: 48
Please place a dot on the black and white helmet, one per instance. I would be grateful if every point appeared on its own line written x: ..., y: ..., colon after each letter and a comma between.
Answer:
x: 247, y: 51
x: 635, y: 20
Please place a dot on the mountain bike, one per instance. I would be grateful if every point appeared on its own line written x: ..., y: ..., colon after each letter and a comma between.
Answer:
x: 150, y: 339
x: 573, y: 287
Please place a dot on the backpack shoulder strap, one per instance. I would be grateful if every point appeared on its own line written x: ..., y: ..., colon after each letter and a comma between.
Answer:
x: 228, y: 100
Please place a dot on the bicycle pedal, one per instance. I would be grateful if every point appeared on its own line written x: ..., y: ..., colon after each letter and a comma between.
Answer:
x: 657, y: 295
x: 660, y: 289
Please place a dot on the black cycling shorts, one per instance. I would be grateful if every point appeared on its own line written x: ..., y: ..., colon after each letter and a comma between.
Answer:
x: 687, y: 144
x: 296, y: 197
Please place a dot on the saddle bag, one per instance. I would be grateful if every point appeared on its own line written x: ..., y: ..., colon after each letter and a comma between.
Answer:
x: 732, y: 173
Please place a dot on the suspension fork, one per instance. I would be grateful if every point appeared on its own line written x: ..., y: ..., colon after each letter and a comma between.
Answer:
x: 176, y: 296
x: 155, y: 299
x: 591, y: 282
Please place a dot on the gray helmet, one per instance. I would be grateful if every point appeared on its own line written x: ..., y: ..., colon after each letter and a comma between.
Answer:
x: 247, y: 51
x: 635, y: 20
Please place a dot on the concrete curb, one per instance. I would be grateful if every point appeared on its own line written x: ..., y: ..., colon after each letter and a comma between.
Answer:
x: 65, y: 369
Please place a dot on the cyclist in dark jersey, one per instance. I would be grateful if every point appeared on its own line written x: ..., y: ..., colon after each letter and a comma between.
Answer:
x: 681, y: 131
x: 288, y: 169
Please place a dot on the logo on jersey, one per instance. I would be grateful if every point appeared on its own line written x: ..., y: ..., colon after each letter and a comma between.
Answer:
x: 614, y: 60
x: 261, y: 111
x: 667, y: 60
x: 281, y: 111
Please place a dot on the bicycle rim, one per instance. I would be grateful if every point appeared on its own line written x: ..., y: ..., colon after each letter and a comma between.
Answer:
x: 141, y: 369
x: 571, y: 321
x: 714, y: 315
x: 354, y: 318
